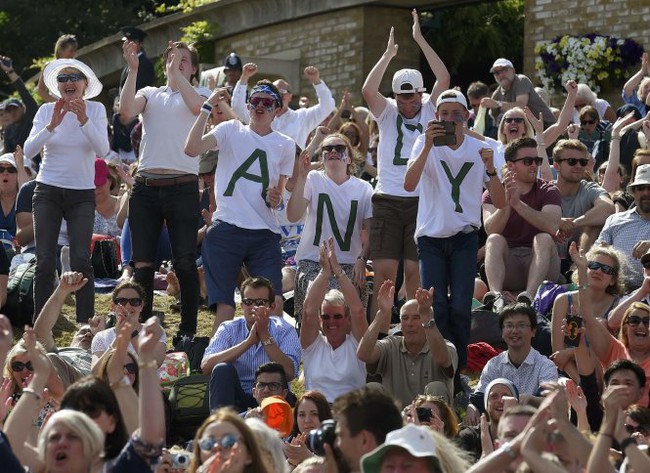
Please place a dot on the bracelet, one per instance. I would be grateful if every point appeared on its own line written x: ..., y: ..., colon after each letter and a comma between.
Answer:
x: 491, y: 174
x: 206, y: 107
x: 153, y: 364
x: 626, y: 443
x: 32, y: 392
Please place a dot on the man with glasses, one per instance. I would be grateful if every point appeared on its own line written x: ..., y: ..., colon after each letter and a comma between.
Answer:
x: 524, y: 366
x: 515, y: 90
x: 296, y: 124
x: 629, y: 231
x: 241, y: 345
x: 520, y: 249
x: 585, y: 205
x: 333, y: 323
x: 270, y: 380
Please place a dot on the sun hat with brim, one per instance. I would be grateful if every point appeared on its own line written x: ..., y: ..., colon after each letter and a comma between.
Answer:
x: 53, y: 69
x: 277, y: 414
x: 415, y: 439
x: 641, y: 178
x: 8, y: 158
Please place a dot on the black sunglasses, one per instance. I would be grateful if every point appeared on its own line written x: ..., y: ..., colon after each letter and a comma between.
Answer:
x: 256, y: 302
x: 573, y: 161
x: 635, y: 320
x: 131, y: 368
x: 75, y: 77
x: 132, y: 301
x: 528, y: 160
x: 340, y: 149
x: 587, y: 122
x: 18, y: 366
x: 9, y: 169
x: 605, y: 268
x: 514, y: 119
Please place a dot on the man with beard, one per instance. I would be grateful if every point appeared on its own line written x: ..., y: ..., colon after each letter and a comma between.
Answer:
x: 585, y: 205
x: 515, y: 90
x: 629, y: 231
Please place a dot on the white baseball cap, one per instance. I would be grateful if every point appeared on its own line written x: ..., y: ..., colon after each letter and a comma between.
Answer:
x: 451, y: 96
x: 408, y: 81
x: 501, y: 62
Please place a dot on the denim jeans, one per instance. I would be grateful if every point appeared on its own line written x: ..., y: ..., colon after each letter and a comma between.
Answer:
x: 449, y: 266
x: 178, y: 206
x: 51, y: 204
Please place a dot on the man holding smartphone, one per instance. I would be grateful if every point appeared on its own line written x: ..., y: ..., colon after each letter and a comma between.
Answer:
x: 451, y: 170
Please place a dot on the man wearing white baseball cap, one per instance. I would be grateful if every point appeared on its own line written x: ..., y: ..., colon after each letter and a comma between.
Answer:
x: 515, y: 90
x: 450, y: 170
x: 629, y: 231
x: 401, y: 120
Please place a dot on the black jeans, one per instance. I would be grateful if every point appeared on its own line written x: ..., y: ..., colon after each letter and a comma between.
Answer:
x: 51, y: 204
x: 178, y: 206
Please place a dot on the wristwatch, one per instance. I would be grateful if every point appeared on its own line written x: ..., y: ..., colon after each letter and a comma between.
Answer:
x: 429, y: 324
x: 268, y: 341
x: 491, y: 174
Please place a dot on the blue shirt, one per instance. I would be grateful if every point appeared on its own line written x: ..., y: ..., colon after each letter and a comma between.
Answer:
x: 233, y: 332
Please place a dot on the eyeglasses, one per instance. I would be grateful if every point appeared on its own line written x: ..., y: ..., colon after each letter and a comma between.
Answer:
x: 18, y: 366
x: 634, y: 429
x: 333, y: 316
x: 75, y: 77
x: 255, y: 302
x: 340, y: 149
x: 605, y: 268
x: 635, y: 321
x: 131, y: 368
x: 587, y: 122
x: 528, y: 160
x: 573, y: 161
x: 132, y: 301
x: 226, y: 442
x: 9, y: 169
x: 272, y: 386
x: 513, y: 120
x: 520, y: 326
x: 265, y: 101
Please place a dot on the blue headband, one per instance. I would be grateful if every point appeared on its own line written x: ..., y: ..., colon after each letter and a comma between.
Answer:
x: 267, y: 89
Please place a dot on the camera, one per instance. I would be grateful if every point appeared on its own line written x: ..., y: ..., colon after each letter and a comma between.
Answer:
x: 180, y: 460
x: 317, y: 439
x: 424, y: 414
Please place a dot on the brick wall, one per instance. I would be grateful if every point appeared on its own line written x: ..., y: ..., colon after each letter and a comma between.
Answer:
x: 333, y: 42
x: 547, y: 19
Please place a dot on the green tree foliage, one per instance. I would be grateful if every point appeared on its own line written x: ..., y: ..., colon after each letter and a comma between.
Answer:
x: 469, y: 38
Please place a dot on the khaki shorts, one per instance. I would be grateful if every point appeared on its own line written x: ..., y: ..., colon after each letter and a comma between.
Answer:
x: 392, y: 228
x: 517, y: 262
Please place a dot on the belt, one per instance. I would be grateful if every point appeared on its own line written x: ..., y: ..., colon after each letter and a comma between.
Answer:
x: 167, y: 181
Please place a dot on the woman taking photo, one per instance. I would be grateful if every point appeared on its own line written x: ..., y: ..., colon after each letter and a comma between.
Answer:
x: 71, y: 132
x: 310, y: 410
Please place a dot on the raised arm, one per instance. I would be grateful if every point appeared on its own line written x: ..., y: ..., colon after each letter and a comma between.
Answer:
x: 611, y: 179
x: 130, y: 105
x: 70, y: 282
x: 193, y: 100
x: 310, y: 325
x: 370, y: 90
x: 554, y: 131
x: 437, y: 344
x: 297, y: 205
x: 197, y: 141
x: 634, y: 81
x: 368, y: 350
x: 443, y: 78
x: 239, y: 92
x: 126, y: 397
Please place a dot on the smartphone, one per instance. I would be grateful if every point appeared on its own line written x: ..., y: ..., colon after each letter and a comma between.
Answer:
x: 424, y: 414
x: 449, y: 138
x: 572, y: 338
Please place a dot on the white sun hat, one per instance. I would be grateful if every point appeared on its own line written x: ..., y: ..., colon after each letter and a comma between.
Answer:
x: 53, y: 69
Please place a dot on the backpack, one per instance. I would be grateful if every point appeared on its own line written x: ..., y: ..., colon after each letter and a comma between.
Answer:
x: 105, y: 256
x: 547, y: 292
x: 20, y: 294
x: 194, y: 347
x: 189, y: 405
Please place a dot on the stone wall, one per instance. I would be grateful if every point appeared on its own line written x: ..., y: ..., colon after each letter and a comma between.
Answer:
x: 547, y: 19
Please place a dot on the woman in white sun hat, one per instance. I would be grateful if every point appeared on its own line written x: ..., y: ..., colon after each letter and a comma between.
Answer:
x: 69, y: 133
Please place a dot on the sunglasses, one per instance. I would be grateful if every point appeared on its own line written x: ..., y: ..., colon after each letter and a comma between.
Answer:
x: 635, y: 320
x: 18, y: 366
x: 573, y: 161
x: 605, y: 268
x: 9, y: 169
x: 226, y: 442
x: 76, y: 77
x: 132, y: 301
x: 340, y: 149
x: 131, y: 368
x: 334, y: 316
x: 265, y: 101
x: 513, y: 120
x: 636, y: 429
x: 528, y: 160
x: 496, y: 72
x: 587, y: 122
x: 256, y: 302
